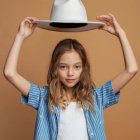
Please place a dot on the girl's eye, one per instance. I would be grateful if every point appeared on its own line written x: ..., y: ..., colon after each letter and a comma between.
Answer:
x: 78, y: 67
x: 62, y: 67
x: 66, y: 67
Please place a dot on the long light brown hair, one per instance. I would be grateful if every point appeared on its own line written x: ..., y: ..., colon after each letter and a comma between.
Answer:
x: 82, y: 90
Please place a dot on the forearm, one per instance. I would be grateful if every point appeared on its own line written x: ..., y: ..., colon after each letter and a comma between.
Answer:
x: 129, y: 58
x: 12, y: 59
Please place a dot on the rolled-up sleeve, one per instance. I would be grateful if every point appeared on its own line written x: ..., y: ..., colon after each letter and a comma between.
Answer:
x: 33, y: 96
x: 107, y: 95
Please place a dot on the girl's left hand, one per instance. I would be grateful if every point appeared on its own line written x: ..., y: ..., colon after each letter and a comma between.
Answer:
x: 111, y: 26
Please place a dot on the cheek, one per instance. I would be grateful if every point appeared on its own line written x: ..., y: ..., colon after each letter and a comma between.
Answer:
x: 79, y: 73
x: 61, y: 74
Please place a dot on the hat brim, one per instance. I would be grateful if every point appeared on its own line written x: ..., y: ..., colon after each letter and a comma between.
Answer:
x: 68, y: 26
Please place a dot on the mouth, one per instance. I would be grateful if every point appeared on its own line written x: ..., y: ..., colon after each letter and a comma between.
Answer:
x: 70, y: 80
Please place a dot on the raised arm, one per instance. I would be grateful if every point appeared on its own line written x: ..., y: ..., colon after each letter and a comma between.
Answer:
x: 131, y: 66
x: 26, y: 28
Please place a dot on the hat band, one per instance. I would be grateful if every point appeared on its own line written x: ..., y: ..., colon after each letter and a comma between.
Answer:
x: 67, y: 25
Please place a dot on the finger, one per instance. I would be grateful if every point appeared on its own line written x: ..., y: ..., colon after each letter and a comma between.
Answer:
x: 103, y: 28
x: 34, y: 26
x: 25, y: 21
x: 105, y: 20
x: 104, y: 17
x: 29, y: 21
x: 107, y: 23
x: 114, y: 19
x: 32, y: 18
x: 111, y: 15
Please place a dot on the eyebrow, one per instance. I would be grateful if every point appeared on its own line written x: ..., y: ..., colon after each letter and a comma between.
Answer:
x: 67, y: 64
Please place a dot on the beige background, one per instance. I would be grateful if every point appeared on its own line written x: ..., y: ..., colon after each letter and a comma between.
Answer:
x: 122, y: 121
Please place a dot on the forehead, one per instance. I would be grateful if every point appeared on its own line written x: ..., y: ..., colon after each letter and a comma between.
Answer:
x: 70, y: 57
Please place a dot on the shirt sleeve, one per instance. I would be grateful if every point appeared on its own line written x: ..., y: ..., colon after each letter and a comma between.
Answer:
x: 106, y: 94
x: 34, y: 96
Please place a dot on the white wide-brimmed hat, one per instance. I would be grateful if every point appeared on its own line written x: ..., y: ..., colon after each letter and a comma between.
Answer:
x: 68, y: 16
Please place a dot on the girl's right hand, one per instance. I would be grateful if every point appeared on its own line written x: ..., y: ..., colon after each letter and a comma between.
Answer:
x: 27, y: 27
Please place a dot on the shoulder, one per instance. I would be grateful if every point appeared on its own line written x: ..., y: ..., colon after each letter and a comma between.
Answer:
x: 45, y: 89
x: 104, y: 88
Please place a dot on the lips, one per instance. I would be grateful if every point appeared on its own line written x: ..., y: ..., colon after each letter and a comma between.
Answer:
x: 70, y: 80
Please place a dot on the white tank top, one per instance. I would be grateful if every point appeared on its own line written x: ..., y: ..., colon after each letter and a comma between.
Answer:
x: 72, y: 125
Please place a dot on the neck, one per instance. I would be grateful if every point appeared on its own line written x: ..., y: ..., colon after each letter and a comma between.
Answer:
x: 69, y: 93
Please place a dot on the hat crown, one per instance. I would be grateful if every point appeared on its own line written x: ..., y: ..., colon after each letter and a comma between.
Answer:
x: 68, y: 10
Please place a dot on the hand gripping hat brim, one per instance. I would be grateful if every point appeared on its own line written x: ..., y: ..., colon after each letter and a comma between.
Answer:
x: 68, y: 16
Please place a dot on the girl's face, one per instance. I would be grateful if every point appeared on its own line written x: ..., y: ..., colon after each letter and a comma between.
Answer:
x: 70, y: 68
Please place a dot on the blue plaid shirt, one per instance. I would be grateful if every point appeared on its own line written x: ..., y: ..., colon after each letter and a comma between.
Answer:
x: 47, y: 123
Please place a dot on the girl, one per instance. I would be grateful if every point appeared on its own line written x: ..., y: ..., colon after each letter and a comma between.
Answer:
x: 70, y: 107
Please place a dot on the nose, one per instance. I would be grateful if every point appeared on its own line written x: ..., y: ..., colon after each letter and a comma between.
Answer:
x: 70, y: 72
